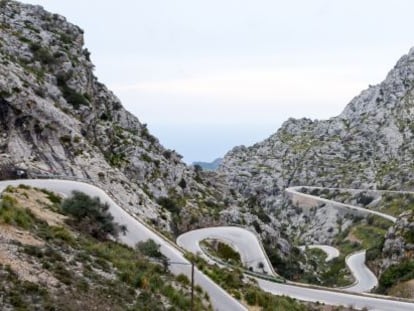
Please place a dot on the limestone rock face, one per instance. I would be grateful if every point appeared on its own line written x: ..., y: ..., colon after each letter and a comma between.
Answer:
x: 369, y: 145
x: 57, y: 119
x: 399, y: 242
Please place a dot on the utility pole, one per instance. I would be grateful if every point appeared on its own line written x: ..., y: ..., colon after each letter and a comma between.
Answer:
x: 166, y: 263
x: 192, y: 286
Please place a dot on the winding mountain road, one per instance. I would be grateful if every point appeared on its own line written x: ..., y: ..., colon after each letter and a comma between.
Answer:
x: 250, y: 250
x: 252, y: 253
x: 365, y: 279
x: 335, y: 298
x: 137, y: 231
x: 245, y: 241
x: 294, y: 191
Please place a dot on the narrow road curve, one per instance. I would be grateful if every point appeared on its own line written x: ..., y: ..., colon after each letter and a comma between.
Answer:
x: 252, y: 252
x: 365, y: 279
x: 335, y: 298
x: 250, y: 248
x: 294, y: 191
x: 244, y: 241
x: 253, y: 255
x: 220, y: 299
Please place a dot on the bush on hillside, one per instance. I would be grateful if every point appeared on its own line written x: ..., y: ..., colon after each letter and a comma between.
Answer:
x: 91, y: 216
x: 150, y: 249
x: 395, y: 274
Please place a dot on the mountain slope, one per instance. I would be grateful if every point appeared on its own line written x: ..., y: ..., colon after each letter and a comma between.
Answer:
x: 372, y: 136
x: 370, y: 145
x: 57, y: 119
x: 48, y: 261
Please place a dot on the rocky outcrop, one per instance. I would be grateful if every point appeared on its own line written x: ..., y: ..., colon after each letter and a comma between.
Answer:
x: 399, y: 242
x: 57, y: 119
x: 369, y: 145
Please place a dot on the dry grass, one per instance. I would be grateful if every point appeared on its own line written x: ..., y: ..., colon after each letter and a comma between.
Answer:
x: 403, y: 290
x: 39, y: 204
x: 352, y: 238
x: 11, y: 236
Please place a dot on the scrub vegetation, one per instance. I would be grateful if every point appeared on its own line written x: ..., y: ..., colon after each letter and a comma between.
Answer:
x: 53, y: 263
x: 222, y: 250
x: 246, y: 289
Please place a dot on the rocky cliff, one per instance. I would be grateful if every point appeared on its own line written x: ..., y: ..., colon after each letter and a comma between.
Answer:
x: 369, y: 145
x: 57, y: 119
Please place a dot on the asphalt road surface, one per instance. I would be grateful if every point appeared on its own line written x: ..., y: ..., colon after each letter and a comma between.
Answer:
x: 365, y: 279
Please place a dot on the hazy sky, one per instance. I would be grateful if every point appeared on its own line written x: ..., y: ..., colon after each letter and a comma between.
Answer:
x: 208, y: 75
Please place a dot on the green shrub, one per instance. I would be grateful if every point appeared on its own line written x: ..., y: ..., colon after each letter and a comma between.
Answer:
x: 257, y: 227
x: 25, y: 187
x: 65, y: 139
x: 370, y: 236
x: 116, y: 159
x: 409, y: 236
x: 11, y: 213
x: 71, y: 96
x: 150, y: 248
x: 91, y: 216
x: 374, y: 253
x: 182, y: 183
x: 288, y: 267
x: 42, y: 54
x: 335, y: 272
x: 53, y: 197
x: 263, y: 215
x: 146, y: 158
x: 74, y: 98
x: 146, y: 134
x: 183, y: 279
x: 227, y: 252
x: 33, y: 251
x: 169, y: 204
x: 396, y: 273
x: 251, y: 297
x: 62, y: 234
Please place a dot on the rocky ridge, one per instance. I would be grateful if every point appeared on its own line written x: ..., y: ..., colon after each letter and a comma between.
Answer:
x: 57, y: 119
x: 369, y: 146
x: 394, y: 260
x: 399, y: 241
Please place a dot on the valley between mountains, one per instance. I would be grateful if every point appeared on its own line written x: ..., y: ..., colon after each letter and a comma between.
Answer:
x: 345, y: 182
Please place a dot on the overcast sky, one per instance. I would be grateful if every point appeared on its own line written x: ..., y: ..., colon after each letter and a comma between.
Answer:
x: 209, y: 75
